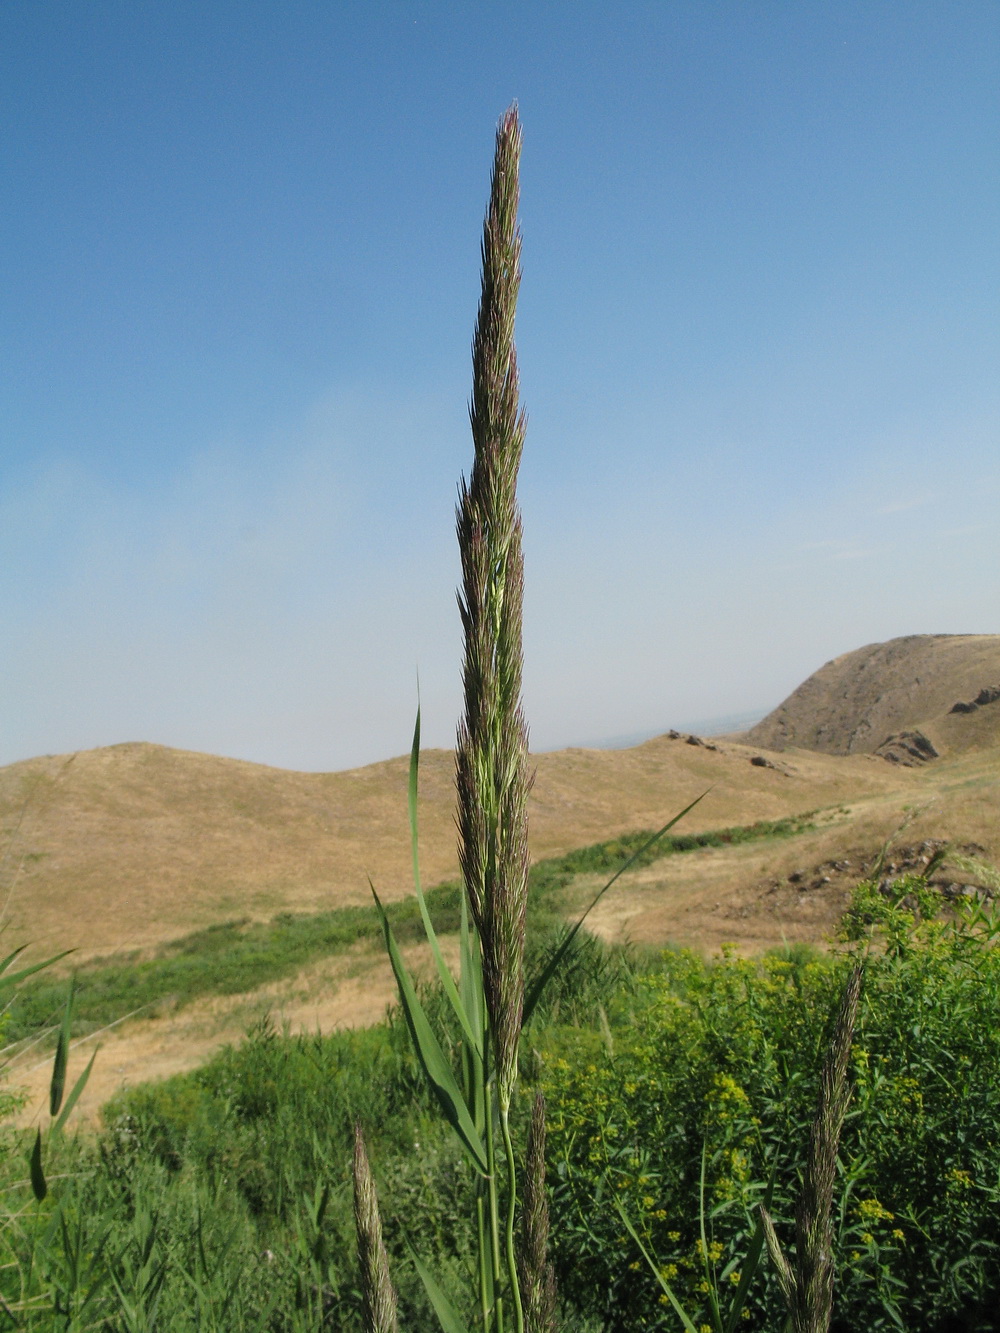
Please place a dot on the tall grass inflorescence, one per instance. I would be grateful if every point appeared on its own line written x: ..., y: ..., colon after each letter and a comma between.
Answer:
x: 491, y: 763
x: 808, y: 1287
x: 492, y: 783
x: 490, y: 1001
x: 537, y: 1276
x: 492, y: 752
x: 377, y: 1294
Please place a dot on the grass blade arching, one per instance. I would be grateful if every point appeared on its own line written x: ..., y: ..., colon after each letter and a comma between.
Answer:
x: 665, y: 1286
x: 6, y: 981
x: 444, y: 973
x: 57, y: 1084
x: 74, y: 1095
x: 448, y: 1317
x: 437, y: 1070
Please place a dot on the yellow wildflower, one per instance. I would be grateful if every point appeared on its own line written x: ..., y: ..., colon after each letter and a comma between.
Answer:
x: 870, y: 1210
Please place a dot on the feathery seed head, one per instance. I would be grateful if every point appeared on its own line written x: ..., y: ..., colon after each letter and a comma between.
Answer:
x: 491, y: 767
x: 377, y: 1293
x: 535, y: 1272
x: 813, y: 1231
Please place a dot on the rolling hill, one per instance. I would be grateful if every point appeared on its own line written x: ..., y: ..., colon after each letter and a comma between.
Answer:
x: 132, y: 846
x: 853, y: 704
x: 128, y: 846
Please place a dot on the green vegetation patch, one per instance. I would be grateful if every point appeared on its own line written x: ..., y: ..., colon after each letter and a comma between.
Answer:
x: 236, y: 957
x: 607, y: 857
x: 231, y: 958
x: 722, y: 1058
x: 237, y: 1175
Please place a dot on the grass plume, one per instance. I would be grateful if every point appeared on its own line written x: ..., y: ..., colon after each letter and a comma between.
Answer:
x: 808, y: 1286
x: 536, y: 1274
x: 377, y: 1293
x: 492, y: 753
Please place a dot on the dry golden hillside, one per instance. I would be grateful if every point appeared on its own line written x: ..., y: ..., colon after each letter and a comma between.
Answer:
x: 130, y: 845
x: 134, y: 845
x: 755, y: 895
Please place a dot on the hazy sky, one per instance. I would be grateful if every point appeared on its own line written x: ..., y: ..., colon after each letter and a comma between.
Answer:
x: 758, y: 336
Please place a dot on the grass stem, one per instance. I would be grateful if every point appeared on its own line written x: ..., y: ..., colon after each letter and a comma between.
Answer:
x: 511, y: 1254
x: 494, y: 1202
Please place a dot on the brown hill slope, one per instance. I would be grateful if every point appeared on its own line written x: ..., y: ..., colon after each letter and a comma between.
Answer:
x: 755, y: 895
x: 852, y: 704
x: 130, y: 845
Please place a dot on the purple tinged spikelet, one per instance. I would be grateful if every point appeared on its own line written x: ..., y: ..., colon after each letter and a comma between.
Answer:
x: 377, y: 1292
x: 492, y: 753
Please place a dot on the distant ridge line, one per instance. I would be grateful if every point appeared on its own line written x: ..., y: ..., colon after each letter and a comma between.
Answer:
x: 722, y: 725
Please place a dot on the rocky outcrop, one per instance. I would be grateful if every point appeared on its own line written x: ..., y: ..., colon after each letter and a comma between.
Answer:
x: 989, y: 695
x: 909, y: 748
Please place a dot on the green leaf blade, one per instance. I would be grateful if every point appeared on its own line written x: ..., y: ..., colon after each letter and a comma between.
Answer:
x: 664, y: 1284
x: 57, y: 1085
x: 438, y: 1072
x: 74, y: 1096
x: 537, y: 988
x: 469, y: 1027
x: 448, y: 1317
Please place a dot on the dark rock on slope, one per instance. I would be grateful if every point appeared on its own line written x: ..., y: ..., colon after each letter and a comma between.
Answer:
x: 908, y: 748
x: 990, y: 695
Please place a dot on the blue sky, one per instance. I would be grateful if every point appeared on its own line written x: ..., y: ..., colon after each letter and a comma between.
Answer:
x: 758, y: 339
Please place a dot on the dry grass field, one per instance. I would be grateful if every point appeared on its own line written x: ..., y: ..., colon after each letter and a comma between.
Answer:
x: 128, y: 847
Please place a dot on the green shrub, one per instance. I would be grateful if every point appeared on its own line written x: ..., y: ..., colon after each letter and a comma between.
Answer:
x: 249, y: 1156
x: 726, y: 1055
